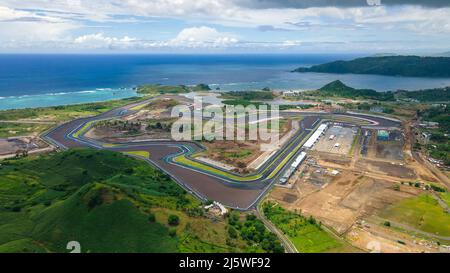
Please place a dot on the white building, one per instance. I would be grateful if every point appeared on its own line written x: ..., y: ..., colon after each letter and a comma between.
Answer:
x: 317, y: 134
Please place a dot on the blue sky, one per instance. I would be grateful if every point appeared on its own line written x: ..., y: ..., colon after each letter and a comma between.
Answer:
x: 225, y: 26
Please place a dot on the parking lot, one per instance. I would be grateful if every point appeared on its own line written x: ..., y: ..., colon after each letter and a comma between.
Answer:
x: 337, y: 139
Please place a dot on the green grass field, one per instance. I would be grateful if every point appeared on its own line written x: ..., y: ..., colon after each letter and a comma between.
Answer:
x: 104, y: 200
x: 21, y: 129
x: 446, y: 197
x: 240, y: 154
x: 65, y: 113
x: 305, y: 234
x: 152, y: 89
x: 422, y: 212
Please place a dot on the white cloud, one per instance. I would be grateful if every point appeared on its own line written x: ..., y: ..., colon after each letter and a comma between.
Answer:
x: 23, y: 27
x: 195, y: 37
x: 202, y: 37
x: 227, y: 12
x: 54, y: 21
x: 291, y: 43
x: 99, y: 40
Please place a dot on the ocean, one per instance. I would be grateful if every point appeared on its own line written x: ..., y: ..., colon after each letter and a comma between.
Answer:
x: 28, y: 80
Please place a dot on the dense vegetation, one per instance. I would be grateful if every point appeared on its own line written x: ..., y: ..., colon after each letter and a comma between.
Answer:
x: 408, y: 66
x: 249, y: 95
x: 305, y: 233
x: 440, y: 114
x: 427, y: 95
x: 369, y: 106
x: 155, y: 89
x: 164, y: 125
x: 439, y: 148
x: 201, y: 87
x: 106, y: 201
x: 246, y: 98
x: 289, y: 107
x: 253, y: 231
x: 339, y: 89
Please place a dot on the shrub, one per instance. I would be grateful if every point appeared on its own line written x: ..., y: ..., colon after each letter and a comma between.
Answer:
x: 232, y: 232
x: 173, y: 220
x: 437, y: 188
x: 172, y: 232
x: 151, y: 217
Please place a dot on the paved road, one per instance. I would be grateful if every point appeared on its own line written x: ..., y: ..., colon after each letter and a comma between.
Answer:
x: 234, y: 194
x: 443, y: 178
x: 287, y: 244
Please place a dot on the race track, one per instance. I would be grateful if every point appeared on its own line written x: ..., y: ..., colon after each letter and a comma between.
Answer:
x: 230, y: 189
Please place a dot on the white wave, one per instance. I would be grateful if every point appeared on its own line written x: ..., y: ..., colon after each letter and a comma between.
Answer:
x: 52, y: 94
x: 37, y: 96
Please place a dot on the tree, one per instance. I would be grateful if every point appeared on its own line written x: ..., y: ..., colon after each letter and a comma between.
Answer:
x: 172, y: 232
x: 232, y: 232
x: 173, y: 220
x: 251, y: 217
x: 151, y: 217
x: 233, y: 218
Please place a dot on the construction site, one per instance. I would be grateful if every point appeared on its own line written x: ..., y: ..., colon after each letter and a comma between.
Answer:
x: 351, y: 178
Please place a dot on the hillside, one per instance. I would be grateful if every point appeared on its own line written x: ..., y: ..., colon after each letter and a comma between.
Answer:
x: 156, y: 89
x: 109, y: 203
x: 428, y: 95
x: 339, y: 89
x: 407, y: 66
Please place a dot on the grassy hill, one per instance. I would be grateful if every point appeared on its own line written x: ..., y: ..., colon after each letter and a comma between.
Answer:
x: 106, y: 201
x: 408, y: 66
x: 339, y: 89
x: 427, y: 95
x: 156, y: 89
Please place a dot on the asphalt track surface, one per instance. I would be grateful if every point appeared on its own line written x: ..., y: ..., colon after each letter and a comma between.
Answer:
x: 235, y: 194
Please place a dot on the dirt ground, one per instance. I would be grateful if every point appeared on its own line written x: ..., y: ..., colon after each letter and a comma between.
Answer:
x: 393, y: 169
x: 12, y: 145
x: 391, y: 149
x: 368, y: 182
x: 114, y: 134
x: 379, y: 239
x: 239, y: 154
x: 158, y: 110
x: 234, y: 153
x: 348, y: 197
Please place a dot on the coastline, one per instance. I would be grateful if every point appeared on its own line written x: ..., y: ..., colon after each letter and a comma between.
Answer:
x: 66, y: 98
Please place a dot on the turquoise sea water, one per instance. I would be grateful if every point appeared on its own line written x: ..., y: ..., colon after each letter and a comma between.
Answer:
x: 65, y: 98
x: 49, y: 80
